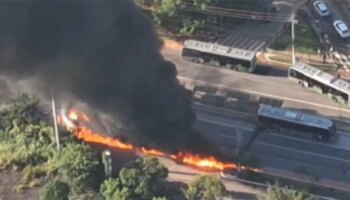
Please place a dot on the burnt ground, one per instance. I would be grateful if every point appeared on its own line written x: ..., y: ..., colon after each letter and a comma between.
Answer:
x: 9, y: 181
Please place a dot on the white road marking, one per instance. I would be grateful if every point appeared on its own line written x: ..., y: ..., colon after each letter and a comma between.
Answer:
x: 343, y: 57
x: 343, y: 132
x: 336, y: 55
x: 308, y: 141
x: 233, y: 125
x: 269, y: 95
x: 276, y: 135
x: 301, y: 151
x: 343, y: 60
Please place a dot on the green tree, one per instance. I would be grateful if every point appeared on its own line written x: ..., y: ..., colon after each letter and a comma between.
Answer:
x: 159, y: 198
x: 137, y: 180
x: 55, y: 190
x: 172, y: 8
x: 275, y: 192
x: 77, y: 163
x: 205, y: 188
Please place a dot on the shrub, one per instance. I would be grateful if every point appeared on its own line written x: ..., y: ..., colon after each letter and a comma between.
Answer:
x: 55, y: 190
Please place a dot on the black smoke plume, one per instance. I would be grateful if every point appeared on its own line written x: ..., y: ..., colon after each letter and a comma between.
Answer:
x: 103, y: 53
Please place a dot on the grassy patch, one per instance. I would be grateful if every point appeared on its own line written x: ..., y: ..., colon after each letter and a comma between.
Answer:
x: 306, y: 39
x: 325, y: 67
x: 284, y: 59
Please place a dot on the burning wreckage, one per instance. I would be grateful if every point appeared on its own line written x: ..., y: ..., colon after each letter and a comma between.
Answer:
x: 74, y: 121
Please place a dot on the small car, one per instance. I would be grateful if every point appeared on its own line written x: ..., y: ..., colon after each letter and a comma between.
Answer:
x: 341, y: 28
x: 321, y: 8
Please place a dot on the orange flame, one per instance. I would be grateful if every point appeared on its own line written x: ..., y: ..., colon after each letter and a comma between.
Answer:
x: 85, y: 117
x: 73, y: 115
x: 205, y: 162
x: 152, y: 152
x: 87, y: 135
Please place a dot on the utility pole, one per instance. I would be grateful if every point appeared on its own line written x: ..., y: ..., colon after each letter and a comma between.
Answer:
x: 55, y: 119
x: 293, y: 38
x: 339, y: 108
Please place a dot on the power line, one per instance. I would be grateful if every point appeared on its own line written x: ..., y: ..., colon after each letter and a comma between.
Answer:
x: 220, y: 12
x: 237, y: 11
x: 233, y: 15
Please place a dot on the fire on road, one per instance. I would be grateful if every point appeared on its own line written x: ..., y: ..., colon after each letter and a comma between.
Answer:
x: 71, y: 120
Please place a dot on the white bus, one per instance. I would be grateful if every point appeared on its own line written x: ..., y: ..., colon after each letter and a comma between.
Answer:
x: 218, y: 55
x: 279, y: 118
x: 324, y: 83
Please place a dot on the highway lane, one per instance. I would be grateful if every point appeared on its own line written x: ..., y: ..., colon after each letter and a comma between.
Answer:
x: 279, y: 152
x: 225, y: 131
x: 278, y: 87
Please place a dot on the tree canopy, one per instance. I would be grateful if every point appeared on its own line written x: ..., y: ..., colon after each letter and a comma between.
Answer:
x: 188, y: 16
x: 275, y: 192
x: 137, y: 180
x: 27, y: 143
x: 205, y: 188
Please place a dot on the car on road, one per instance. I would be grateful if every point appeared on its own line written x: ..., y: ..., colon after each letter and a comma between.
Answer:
x: 341, y: 28
x: 321, y: 8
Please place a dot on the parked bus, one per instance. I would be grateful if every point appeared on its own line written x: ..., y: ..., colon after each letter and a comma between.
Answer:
x: 218, y: 55
x: 324, y: 83
x: 279, y: 118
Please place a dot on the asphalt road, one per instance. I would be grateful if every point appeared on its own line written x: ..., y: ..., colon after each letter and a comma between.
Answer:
x: 326, y: 25
x: 272, y: 84
x: 184, y: 174
x: 340, y: 46
x: 328, y: 161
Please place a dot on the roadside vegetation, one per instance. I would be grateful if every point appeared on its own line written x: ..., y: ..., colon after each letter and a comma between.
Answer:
x: 27, y: 146
x: 187, y: 17
x: 205, y: 188
x: 275, y: 192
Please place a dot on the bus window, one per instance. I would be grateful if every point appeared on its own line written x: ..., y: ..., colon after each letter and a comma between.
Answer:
x: 295, y: 74
x: 246, y: 64
x: 189, y: 53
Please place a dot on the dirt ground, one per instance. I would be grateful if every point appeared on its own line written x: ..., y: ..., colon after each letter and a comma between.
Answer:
x: 8, y: 182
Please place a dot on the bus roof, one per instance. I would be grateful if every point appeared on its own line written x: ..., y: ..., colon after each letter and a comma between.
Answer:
x: 220, y: 49
x: 294, y: 116
x: 323, y: 77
